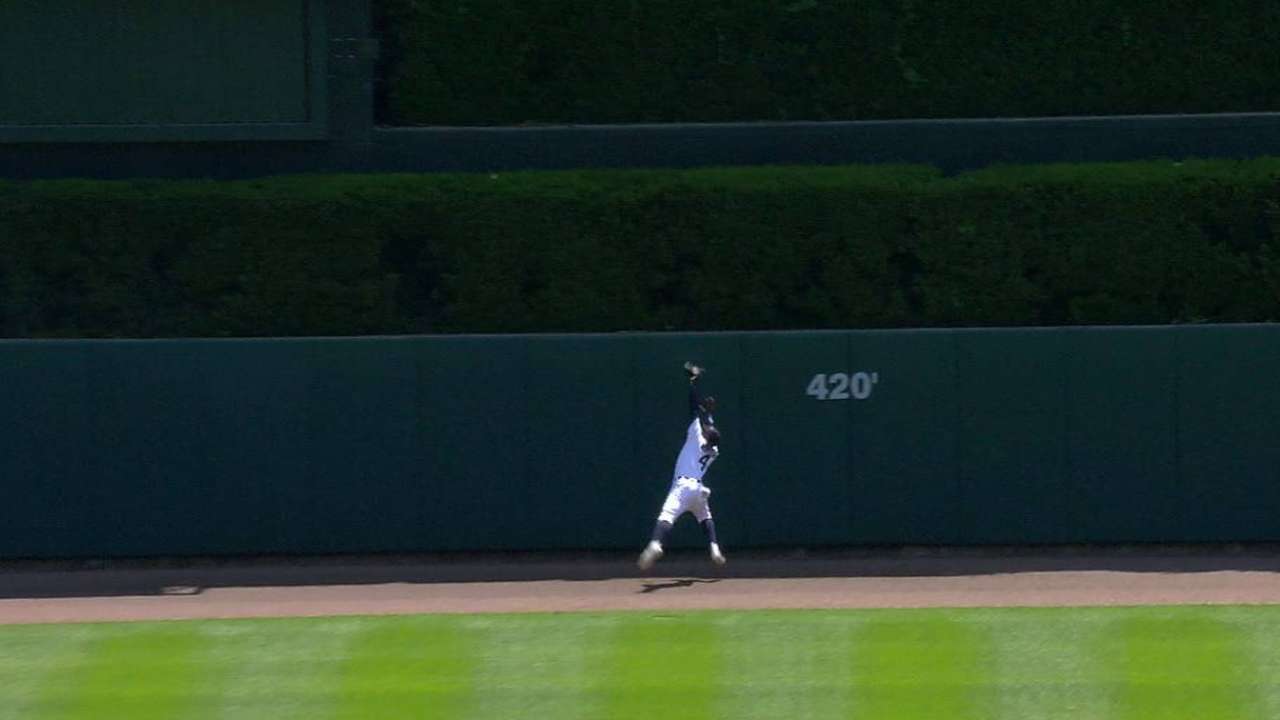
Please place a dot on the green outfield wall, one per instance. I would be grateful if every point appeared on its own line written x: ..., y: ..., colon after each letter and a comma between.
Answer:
x: 1070, y: 435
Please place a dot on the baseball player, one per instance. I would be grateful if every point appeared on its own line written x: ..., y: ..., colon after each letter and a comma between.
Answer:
x: 688, y: 494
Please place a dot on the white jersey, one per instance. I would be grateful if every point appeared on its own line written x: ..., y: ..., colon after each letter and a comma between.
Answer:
x: 694, y: 459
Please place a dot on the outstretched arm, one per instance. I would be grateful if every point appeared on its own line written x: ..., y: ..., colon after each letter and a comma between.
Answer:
x: 695, y: 402
x: 699, y: 407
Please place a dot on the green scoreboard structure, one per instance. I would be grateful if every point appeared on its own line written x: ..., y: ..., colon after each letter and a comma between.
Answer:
x: 156, y: 71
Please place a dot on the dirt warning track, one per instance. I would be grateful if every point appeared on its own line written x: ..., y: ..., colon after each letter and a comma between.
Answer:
x: 277, y: 587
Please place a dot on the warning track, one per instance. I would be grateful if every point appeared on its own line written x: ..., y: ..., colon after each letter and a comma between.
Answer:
x: 41, y: 592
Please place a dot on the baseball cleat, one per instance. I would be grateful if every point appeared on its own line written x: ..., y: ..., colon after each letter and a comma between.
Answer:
x: 717, y: 557
x: 651, y: 553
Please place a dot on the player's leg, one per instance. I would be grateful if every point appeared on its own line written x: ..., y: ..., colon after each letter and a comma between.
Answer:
x: 709, y: 526
x: 702, y: 513
x: 660, y: 531
x: 671, y: 509
x: 653, y: 550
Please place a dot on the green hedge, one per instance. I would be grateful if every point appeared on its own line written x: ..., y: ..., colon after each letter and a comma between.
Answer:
x: 757, y: 248
x: 495, y: 62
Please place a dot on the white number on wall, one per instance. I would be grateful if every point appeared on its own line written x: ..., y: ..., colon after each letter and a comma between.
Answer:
x: 842, y: 386
x: 818, y: 387
x: 862, y: 384
x: 839, y: 386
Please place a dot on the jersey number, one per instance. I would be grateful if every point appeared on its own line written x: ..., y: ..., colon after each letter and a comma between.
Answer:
x: 704, y: 461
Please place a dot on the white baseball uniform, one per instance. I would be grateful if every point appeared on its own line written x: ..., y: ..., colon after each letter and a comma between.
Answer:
x: 687, y: 493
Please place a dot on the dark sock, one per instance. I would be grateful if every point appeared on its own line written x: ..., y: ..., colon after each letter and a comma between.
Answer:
x: 709, y: 526
x: 660, y: 531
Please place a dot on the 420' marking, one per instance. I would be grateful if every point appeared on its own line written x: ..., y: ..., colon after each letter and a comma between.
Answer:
x: 842, y: 386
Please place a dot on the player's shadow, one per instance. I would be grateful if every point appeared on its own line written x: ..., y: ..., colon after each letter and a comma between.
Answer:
x: 673, y: 584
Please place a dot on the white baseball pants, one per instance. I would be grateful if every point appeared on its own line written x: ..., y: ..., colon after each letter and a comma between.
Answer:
x: 687, y: 495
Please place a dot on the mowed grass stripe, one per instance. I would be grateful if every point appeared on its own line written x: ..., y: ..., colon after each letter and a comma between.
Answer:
x: 1043, y: 664
x: 1179, y: 663
x: 33, y: 658
x: 140, y: 672
x: 539, y: 666
x: 785, y: 665
x: 410, y: 667
x: 285, y: 669
x: 930, y: 664
x: 1261, y: 633
x: 662, y: 666
x: 1095, y: 664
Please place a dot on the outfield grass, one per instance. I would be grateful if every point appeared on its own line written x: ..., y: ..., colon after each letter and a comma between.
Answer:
x: 1197, y: 663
